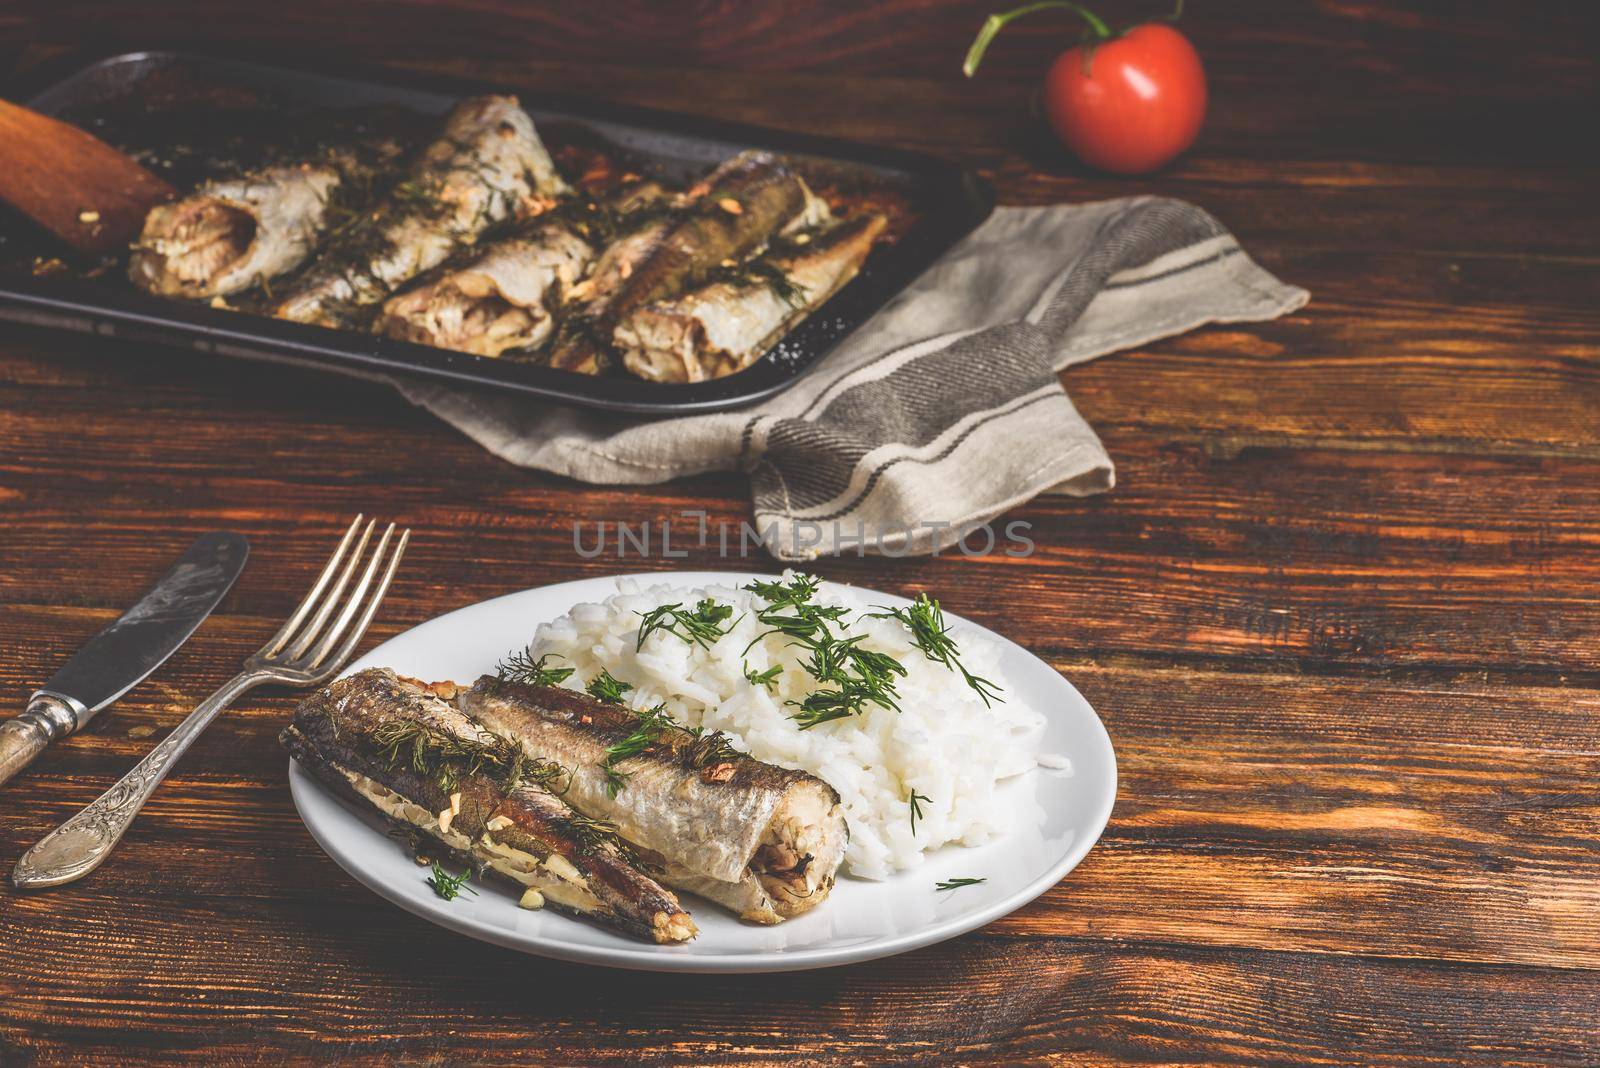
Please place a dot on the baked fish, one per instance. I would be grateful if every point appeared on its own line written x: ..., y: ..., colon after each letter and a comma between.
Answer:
x: 487, y: 167
x: 730, y: 214
x: 228, y: 236
x: 501, y: 300
x: 761, y: 840
x: 396, y: 745
x: 724, y: 327
x: 505, y: 297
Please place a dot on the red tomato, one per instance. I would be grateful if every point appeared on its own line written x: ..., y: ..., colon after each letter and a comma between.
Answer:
x: 1140, y: 104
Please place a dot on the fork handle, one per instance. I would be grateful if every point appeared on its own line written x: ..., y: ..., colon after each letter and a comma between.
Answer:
x: 77, y: 847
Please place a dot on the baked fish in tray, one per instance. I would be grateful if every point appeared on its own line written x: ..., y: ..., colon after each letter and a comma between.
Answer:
x: 486, y: 167
x: 267, y: 246
x: 721, y: 328
x: 394, y: 745
x: 724, y: 218
x: 233, y: 235
x: 505, y: 297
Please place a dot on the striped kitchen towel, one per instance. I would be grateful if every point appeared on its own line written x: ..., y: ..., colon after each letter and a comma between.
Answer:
x: 945, y: 409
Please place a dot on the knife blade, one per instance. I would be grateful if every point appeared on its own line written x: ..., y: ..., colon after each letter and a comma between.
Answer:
x: 121, y: 656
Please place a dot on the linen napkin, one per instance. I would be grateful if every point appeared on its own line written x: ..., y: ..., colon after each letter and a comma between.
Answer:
x: 941, y: 412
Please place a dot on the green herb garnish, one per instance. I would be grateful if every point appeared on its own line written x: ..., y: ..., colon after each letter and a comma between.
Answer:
x: 753, y: 273
x: 522, y: 667
x: 702, y: 627
x: 858, y: 677
x: 764, y: 679
x: 590, y: 834
x: 709, y: 749
x: 605, y: 687
x: 450, y: 886
x: 445, y: 758
x: 916, y: 808
x: 956, y: 884
x: 652, y: 722
x: 925, y: 620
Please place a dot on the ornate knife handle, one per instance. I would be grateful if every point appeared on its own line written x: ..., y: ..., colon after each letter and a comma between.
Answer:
x: 77, y: 847
x: 49, y: 716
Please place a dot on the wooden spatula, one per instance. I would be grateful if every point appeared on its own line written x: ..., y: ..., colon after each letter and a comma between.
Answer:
x: 72, y: 183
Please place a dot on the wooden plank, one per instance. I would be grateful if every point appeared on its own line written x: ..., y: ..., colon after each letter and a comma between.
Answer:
x: 1442, y: 823
x: 324, y: 980
x: 1313, y: 558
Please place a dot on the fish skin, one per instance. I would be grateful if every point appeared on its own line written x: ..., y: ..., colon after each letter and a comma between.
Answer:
x: 502, y: 300
x: 764, y: 196
x: 505, y: 297
x: 724, y: 327
x: 487, y: 166
x: 332, y: 737
x: 706, y: 823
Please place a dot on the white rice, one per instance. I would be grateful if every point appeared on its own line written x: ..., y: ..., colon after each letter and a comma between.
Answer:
x: 943, y: 744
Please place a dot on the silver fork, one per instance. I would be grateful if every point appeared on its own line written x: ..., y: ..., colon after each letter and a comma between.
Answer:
x: 303, y: 653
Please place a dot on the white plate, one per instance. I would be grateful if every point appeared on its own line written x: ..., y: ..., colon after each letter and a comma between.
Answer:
x: 1059, y: 816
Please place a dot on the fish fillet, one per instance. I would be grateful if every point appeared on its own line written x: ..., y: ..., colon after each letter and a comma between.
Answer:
x: 727, y: 216
x: 762, y: 840
x: 487, y: 167
x: 505, y: 297
x: 726, y: 326
x: 229, y: 236
x: 393, y: 744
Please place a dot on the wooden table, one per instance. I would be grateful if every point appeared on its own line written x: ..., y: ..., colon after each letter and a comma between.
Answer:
x: 1341, y: 614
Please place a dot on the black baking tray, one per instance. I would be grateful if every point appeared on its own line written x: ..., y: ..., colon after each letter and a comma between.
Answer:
x: 947, y: 202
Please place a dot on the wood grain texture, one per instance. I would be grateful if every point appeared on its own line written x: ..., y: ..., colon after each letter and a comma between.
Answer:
x: 1340, y: 614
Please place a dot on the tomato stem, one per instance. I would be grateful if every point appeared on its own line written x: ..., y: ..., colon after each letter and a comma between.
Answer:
x: 1098, y: 30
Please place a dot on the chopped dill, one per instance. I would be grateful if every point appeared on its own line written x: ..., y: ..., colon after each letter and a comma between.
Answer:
x: 753, y: 273
x: 443, y: 757
x: 523, y: 668
x: 858, y: 677
x: 925, y: 620
x: 711, y: 749
x: 607, y: 687
x: 765, y: 679
x: 652, y: 722
x: 916, y: 808
x: 544, y: 774
x: 703, y: 626
x: 590, y: 834
x: 450, y: 886
x: 797, y: 590
x: 956, y: 884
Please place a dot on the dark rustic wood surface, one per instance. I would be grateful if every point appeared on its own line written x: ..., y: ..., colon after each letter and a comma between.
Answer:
x: 1341, y: 614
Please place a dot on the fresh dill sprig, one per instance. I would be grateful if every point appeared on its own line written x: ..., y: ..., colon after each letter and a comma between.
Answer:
x: 590, y: 834
x: 703, y: 626
x: 606, y: 687
x: 522, y: 667
x: 754, y: 273
x: 764, y: 679
x: 797, y: 590
x: 858, y: 677
x: 652, y: 722
x: 450, y: 886
x: 708, y: 750
x: 443, y: 757
x: 925, y: 620
x: 545, y: 774
x: 916, y: 808
x: 956, y: 884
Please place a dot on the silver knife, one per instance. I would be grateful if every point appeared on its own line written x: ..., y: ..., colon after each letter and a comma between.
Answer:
x: 119, y: 657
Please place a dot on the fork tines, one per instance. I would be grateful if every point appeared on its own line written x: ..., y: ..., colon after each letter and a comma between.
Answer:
x: 308, y: 645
